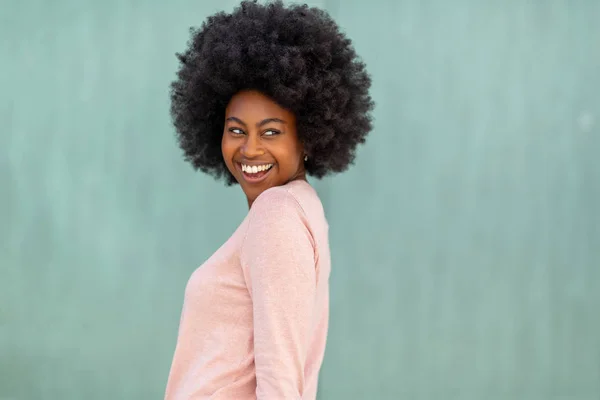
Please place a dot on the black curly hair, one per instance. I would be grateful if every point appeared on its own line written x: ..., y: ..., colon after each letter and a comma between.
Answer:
x: 294, y: 54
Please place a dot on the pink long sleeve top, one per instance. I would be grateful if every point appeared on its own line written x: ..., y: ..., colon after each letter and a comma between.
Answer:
x: 255, y: 314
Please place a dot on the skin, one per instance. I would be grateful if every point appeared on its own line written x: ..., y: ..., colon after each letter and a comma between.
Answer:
x: 258, y: 131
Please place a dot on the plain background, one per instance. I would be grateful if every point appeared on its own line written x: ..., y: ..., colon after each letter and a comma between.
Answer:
x: 465, y: 240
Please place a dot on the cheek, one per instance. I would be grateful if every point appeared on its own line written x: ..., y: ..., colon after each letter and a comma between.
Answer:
x: 288, y: 158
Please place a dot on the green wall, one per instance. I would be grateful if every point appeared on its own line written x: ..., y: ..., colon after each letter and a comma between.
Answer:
x: 465, y: 241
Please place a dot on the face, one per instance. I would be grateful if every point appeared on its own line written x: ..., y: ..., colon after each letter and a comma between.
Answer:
x: 260, y: 145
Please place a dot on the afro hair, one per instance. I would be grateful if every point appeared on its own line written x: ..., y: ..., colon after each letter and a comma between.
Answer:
x: 295, y: 55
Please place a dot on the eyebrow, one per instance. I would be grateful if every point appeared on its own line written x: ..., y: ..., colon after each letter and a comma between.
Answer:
x: 261, y: 123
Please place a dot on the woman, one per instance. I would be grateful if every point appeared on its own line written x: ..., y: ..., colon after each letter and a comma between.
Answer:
x: 264, y: 96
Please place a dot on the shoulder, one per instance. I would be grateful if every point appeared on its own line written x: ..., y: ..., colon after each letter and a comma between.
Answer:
x: 276, y: 220
x: 282, y: 201
x: 292, y: 207
x: 275, y: 211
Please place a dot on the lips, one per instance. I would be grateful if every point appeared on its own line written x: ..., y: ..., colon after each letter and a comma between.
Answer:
x: 254, y: 173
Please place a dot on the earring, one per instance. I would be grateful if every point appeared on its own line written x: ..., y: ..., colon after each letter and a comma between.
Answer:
x: 305, y: 158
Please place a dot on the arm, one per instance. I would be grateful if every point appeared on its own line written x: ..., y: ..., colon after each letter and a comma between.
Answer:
x: 279, y: 263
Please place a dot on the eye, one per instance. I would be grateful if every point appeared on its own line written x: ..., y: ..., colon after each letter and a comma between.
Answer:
x: 271, y: 132
x: 236, y: 131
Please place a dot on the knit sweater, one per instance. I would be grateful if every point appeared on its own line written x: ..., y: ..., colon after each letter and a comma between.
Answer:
x: 255, y: 314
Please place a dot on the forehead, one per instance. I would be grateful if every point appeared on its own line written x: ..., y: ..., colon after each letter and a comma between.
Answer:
x: 255, y: 105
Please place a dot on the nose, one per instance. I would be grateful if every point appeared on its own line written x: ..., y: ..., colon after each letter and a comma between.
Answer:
x: 252, y: 147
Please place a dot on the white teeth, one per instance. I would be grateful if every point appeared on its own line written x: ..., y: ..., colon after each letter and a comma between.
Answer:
x: 253, y: 169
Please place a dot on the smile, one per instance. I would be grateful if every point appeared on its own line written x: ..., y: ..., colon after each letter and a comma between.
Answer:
x: 255, y: 173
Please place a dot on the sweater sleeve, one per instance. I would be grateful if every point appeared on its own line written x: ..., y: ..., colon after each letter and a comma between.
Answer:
x: 278, y: 257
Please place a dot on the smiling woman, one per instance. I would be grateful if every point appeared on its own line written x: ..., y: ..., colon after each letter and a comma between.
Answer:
x: 260, y: 144
x: 265, y: 96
